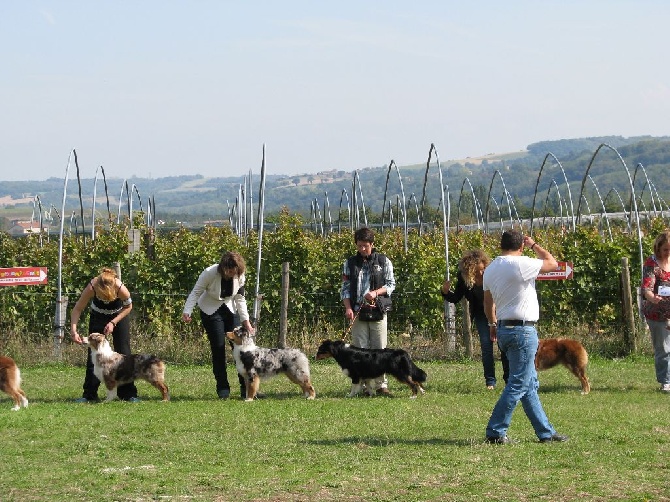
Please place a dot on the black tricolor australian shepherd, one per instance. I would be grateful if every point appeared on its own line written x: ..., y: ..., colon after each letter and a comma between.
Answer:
x: 569, y: 353
x: 255, y: 363
x: 114, y: 369
x: 364, y: 365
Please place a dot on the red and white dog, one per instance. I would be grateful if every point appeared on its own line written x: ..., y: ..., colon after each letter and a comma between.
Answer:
x: 10, y: 382
x: 569, y: 353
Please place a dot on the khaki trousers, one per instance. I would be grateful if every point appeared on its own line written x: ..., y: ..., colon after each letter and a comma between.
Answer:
x: 371, y: 335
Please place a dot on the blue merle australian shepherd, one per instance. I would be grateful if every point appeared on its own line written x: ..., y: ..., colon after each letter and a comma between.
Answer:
x: 364, y: 365
x: 255, y: 363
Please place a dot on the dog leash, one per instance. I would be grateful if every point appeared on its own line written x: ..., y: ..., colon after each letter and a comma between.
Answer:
x: 365, y: 302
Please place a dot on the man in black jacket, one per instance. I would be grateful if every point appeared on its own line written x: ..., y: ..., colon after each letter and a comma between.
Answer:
x: 367, y: 278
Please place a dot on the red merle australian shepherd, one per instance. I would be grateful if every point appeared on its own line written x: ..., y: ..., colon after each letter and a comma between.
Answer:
x: 362, y: 365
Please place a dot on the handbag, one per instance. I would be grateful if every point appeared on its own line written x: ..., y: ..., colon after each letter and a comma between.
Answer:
x: 376, y: 311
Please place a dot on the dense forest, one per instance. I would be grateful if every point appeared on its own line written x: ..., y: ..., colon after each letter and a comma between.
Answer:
x: 196, y: 199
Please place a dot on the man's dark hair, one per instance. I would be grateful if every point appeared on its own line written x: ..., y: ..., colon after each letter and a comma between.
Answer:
x: 364, y: 234
x: 511, y: 240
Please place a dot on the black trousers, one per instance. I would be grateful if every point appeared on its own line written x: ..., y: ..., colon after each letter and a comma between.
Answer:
x: 121, y: 341
x: 216, y: 326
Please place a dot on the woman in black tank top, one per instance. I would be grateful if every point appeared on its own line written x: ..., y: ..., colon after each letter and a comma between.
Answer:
x: 110, y: 305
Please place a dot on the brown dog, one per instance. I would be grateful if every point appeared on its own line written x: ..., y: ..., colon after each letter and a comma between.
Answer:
x: 10, y: 382
x: 569, y: 353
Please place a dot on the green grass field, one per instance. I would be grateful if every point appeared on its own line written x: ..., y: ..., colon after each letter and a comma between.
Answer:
x: 197, y: 447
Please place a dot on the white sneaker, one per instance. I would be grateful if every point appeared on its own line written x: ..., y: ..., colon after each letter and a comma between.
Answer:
x: 665, y: 387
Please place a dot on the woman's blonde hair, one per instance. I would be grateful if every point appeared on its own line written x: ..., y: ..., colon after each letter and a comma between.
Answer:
x: 105, y: 285
x: 469, y: 263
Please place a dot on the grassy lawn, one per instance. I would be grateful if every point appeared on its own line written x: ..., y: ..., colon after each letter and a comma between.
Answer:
x: 334, y: 448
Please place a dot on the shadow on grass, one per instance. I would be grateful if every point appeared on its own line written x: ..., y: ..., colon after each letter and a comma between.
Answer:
x: 381, y: 441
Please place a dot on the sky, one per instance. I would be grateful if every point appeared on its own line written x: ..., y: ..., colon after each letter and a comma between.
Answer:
x: 167, y: 88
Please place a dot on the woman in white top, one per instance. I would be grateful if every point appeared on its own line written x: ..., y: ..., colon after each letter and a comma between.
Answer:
x: 219, y: 293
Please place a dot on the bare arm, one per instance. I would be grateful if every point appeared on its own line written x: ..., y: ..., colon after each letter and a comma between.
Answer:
x: 84, y: 299
x: 549, y: 263
x: 490, y: 311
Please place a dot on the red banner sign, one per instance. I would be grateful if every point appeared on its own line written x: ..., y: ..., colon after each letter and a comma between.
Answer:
x: 563, y: 271
x: 18, y: 276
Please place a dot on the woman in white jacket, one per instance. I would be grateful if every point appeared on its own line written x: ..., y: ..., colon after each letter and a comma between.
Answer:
x: 219, y: 293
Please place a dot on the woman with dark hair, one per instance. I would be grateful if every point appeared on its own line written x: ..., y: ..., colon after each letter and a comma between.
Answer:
x: 219, y: 293
x: 656, y: 305
x: 110, y: 305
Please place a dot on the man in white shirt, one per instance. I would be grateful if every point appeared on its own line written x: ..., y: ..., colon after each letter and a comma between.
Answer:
x: 512, y: 310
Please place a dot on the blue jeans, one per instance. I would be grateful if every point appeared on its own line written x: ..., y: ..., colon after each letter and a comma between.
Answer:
x: 488, y: 360
x: 660, y: 337
x: 520, y: 344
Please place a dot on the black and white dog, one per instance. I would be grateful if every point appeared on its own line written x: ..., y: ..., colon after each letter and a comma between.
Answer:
x: 255, y: 363
x: 114, y: 369
x: 364, y: 365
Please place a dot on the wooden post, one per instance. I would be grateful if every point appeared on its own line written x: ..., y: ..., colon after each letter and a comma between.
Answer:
x: 283, y: 311
x: 630, y: 338
x: 150, y: 244
x: 450, y: 325
x: 133, y: 240
x: 467, y: 327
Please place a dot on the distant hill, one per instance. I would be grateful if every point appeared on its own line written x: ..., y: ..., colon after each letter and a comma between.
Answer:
x: 195, y: 198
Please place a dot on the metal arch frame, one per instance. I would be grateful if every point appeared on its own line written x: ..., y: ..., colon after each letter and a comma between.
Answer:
x: 488, y: 198
x: 61, y: 304
x: 37, y: 200
x: 502, y: 226
x: 546, y: 201
x: 318, y: 223
x: 339, y: 211
x: 250, y: 222
x: 357, y: 183
x: 402, y: 191
x: 151, y: 212
x: 512, y: 205
x: 444, y: 209
x: 326, y: 210
x: 588, y: 208
x: 124, y: 187
x: 133, y: 189
x: 95, y: 192
x: 623, y: 206
x: 651, y: 194
x: 572, y: 208
x: 81, y: 202
x: 632, y: 188
x: 416, y: 208
x: 602, y: 204
x: 660, y: 199
x: 476, y: 207
x: 261, y: 212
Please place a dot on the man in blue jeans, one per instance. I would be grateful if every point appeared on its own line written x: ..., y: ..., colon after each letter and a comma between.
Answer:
x: 512, y: 310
